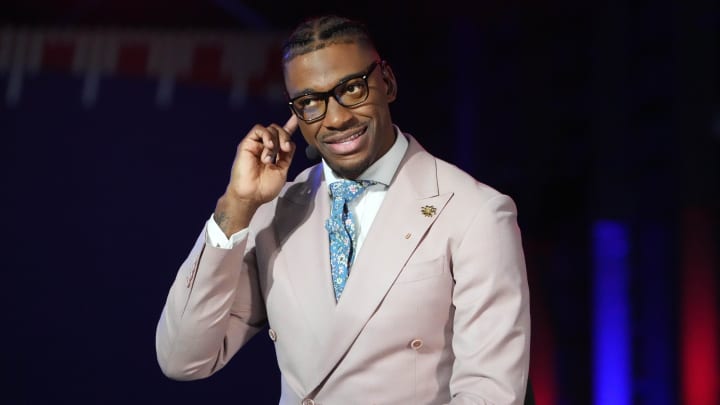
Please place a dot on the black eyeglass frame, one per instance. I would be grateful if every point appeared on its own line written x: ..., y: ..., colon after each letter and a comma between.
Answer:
x: 325, y: 95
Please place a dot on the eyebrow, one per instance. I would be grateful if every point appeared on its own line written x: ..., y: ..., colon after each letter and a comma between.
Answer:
x: 307, y: 91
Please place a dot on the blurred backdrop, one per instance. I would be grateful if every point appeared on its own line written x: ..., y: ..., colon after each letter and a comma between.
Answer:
x: 119, y: 121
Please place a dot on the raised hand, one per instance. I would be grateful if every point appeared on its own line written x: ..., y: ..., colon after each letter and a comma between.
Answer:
x: 258, y: 173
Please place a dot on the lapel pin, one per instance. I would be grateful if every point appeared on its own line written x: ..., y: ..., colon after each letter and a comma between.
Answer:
x: 428, y: 210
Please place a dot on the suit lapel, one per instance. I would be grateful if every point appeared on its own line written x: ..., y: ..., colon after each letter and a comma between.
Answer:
x: 402, y: 224
x: 308, y: 269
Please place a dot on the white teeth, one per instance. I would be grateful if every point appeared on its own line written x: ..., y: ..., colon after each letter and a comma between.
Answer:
x: 350, y: 139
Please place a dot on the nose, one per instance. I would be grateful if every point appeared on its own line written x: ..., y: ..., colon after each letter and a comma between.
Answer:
x: 336, y: 115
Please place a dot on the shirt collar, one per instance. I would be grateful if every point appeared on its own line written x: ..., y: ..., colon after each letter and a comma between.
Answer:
x: 383, y: 170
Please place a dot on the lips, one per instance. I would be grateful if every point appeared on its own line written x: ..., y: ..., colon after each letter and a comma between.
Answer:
x: 347, y: 142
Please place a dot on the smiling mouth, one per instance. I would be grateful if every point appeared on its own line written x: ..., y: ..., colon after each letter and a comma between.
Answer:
x: 346, y: 138
x: 346, y: 143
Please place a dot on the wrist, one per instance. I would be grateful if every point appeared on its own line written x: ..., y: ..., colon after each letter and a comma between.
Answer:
x: 233, y: 214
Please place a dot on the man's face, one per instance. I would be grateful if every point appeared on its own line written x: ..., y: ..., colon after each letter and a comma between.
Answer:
x: 350, y: 139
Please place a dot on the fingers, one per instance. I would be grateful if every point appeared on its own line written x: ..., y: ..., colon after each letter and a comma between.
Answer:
x: 271, y: 143
x: 272, y: 140
x: 284, y: 158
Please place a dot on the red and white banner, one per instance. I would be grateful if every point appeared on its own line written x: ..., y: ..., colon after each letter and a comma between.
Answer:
x: 245, y: 64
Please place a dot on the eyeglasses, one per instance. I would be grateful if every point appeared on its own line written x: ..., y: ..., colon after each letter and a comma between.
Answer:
x: 352, y: 91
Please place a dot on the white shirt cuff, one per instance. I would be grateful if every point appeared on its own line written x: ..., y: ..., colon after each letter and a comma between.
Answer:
x: 214, y: 236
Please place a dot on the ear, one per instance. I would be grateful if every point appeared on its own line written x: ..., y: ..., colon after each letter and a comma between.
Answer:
x: 390, y: 81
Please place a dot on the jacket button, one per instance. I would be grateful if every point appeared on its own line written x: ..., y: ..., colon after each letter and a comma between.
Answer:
x: 308, y: 401
x: 273, y: 335
x: 416, y: 344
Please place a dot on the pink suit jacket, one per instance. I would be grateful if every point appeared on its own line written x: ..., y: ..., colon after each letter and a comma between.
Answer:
x: 436, y: 309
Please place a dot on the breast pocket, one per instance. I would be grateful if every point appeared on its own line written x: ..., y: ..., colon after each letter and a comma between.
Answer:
x: 422, y: 270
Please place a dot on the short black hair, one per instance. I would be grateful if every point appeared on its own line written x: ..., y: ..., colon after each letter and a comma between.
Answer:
x: 318, y: 32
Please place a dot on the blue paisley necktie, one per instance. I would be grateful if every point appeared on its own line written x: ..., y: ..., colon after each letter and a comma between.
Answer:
x: 341, y: 228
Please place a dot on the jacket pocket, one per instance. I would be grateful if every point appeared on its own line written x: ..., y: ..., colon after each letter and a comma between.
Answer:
x: 416, y: 271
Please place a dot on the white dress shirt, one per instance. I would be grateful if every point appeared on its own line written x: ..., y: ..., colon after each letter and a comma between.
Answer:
x: 364, y: 208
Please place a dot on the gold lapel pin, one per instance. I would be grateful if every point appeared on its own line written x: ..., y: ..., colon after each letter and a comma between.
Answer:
x: 428, y: 210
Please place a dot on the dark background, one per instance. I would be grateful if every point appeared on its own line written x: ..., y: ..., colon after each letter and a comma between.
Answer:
x: 586, y: 114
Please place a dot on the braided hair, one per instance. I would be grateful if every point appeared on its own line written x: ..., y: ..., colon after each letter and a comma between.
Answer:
x: 318, y: 32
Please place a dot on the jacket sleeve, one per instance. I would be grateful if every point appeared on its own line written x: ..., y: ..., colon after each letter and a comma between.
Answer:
x: 213, y: 308
x: 491, y: 338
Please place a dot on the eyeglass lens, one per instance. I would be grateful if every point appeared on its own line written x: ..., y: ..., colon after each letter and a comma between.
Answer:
x: 347, y: 94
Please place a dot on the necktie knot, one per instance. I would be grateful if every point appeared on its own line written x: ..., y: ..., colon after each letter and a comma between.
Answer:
x: 348, y: 190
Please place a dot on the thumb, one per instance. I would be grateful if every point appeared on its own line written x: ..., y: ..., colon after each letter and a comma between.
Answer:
x: 291, y: 124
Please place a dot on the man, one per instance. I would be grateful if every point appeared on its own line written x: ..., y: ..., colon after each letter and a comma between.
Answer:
x: 412, y: 292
